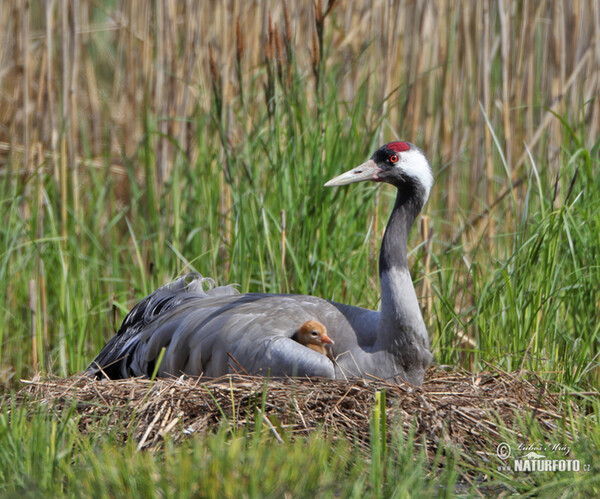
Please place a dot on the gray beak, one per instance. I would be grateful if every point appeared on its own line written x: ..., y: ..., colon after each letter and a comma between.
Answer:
x: 366, y: 171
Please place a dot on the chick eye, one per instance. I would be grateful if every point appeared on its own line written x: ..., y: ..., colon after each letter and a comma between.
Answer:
x: 394, y: 158
x: 314, y: 333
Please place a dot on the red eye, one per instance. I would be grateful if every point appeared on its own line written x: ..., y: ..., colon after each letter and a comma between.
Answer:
x: 394, y: 158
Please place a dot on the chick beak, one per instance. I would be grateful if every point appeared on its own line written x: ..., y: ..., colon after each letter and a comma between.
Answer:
x: 327, y: 339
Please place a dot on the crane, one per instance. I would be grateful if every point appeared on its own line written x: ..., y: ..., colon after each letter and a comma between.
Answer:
x: 212, y: 330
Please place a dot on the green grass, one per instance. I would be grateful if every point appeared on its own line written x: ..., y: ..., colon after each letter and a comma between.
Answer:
x: 528, y: 298
x: 537, y: 307
x: 44, y: 456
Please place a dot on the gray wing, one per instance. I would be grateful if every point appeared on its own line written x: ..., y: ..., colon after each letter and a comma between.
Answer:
x: 218, y: 331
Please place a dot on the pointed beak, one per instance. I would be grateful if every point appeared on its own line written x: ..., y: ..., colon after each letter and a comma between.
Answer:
x: 367, y: 171
x: 327, y: 339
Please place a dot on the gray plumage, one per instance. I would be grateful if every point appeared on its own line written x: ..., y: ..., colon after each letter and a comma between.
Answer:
x: 213, y: 330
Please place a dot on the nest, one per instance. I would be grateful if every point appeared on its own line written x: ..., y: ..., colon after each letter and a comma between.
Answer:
x: 457, y: 408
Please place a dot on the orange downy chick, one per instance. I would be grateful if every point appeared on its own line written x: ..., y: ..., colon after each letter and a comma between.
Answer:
x: 313, y: 335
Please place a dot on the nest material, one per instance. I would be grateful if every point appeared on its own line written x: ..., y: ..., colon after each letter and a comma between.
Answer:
x: 461, y: 408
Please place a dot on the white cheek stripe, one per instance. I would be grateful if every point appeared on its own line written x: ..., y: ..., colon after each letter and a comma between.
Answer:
x: 414, y: 164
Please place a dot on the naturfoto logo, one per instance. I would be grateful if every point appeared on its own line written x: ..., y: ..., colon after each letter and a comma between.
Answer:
x: 534, y: 460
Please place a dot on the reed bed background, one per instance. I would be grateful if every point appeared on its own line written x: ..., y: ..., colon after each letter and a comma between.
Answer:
x: 140, y: 140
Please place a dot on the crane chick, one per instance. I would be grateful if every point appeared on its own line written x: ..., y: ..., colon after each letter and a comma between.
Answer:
x: 313, y: 335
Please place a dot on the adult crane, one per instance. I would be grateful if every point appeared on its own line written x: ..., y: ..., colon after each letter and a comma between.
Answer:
x: 216, y: 331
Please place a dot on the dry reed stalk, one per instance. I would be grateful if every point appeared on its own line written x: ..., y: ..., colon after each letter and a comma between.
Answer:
x: 33, y: 322
x: 93, y: 94
x: 185, y: 73
x: 43, y: 306
x: 51, y: 114
x: 504, y: 18
x: 487, y: 98
x: 64, y: 123
x: 283, y: 242
x: 25, y: 51
x: 226, y: 226
x: 421, y: 46
x: 426, y: 288
x: 40, y: 268
x: 73, y: 89
x: 159, y: 89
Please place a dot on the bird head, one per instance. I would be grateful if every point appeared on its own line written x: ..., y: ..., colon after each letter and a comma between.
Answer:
x: 313, y: 332
x: 401, y: 164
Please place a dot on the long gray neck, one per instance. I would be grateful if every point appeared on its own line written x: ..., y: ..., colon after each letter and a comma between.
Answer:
x: 401, y: 325
x: 395, y: 239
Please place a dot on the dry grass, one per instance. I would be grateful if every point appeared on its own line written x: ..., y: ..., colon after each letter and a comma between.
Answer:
x: 467, y: 411
x: 71, y: 70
